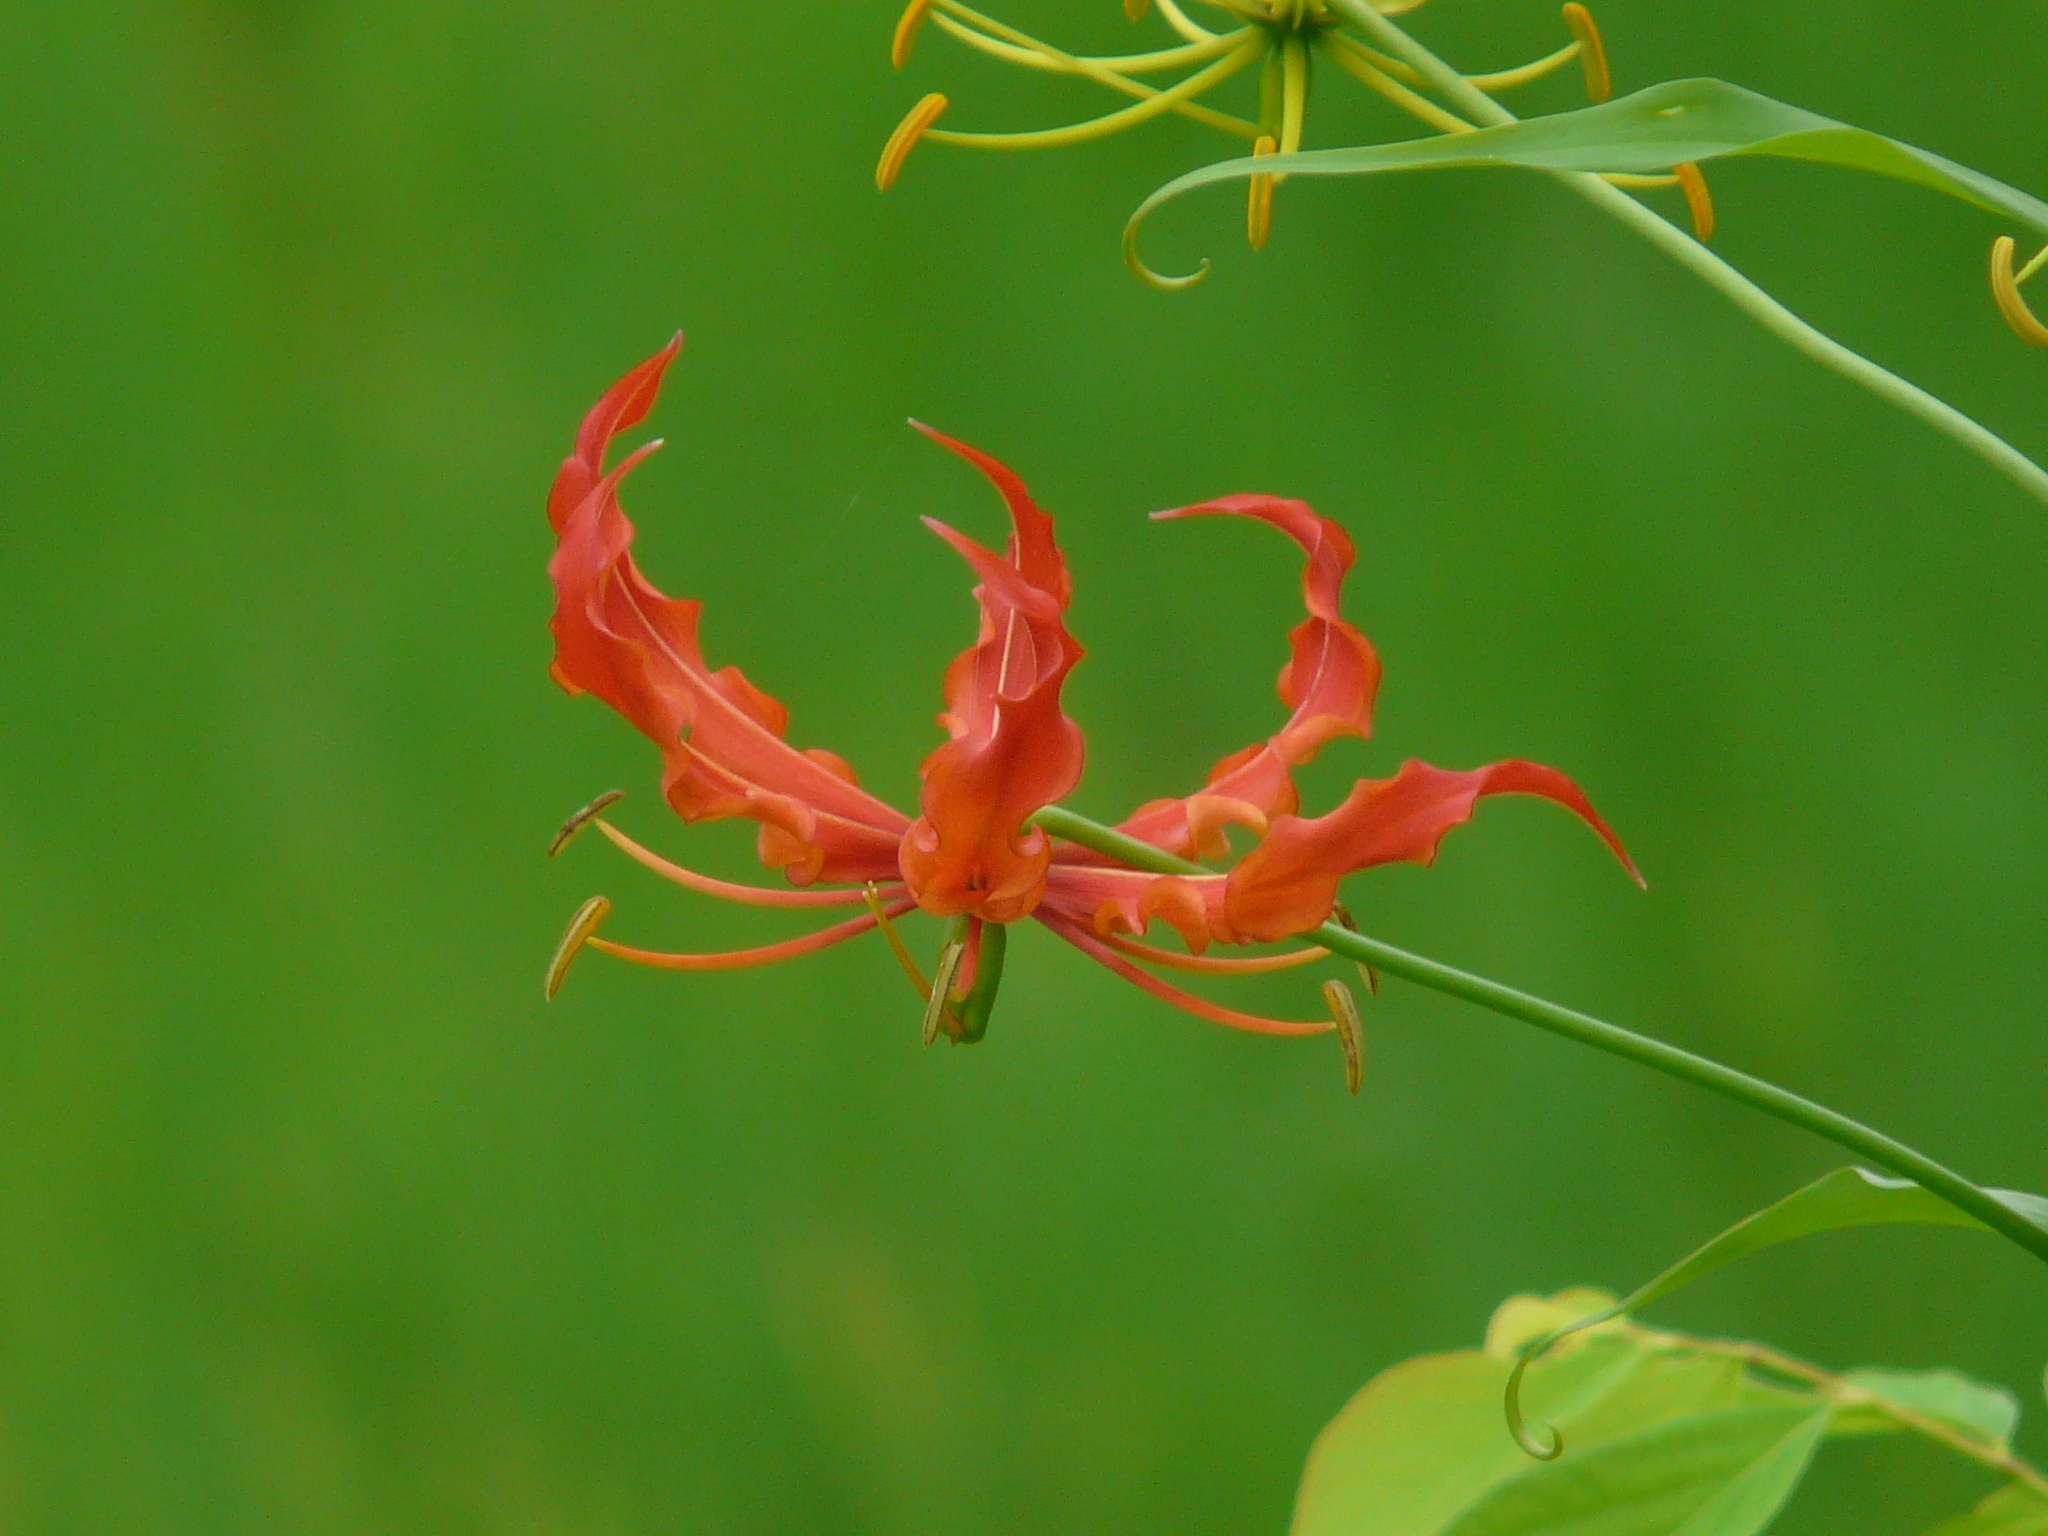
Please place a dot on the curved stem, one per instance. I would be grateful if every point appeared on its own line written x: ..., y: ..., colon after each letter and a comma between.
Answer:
x: 1746, y: 295
x: 1777, y: 1102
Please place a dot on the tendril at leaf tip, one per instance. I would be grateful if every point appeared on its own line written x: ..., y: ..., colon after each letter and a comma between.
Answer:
x: 1147, y: 276
x: 1517, y: 1426
x: 584, y: 818
x: 585, y: 923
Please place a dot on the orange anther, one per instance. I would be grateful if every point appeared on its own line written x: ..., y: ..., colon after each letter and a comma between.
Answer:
x: 2005, y: 288
x: 1697, y: 198
x: 1592, y: 52
x: 908, y: 25
x: 904, y: 139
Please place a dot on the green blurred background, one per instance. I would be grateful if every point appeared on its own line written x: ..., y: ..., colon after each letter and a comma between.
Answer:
x: 317, y: 1220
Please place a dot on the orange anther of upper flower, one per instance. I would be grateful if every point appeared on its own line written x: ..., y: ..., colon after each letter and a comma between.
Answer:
x: 908, y: 25
x: 1698, y: 201
x: 972, y: 853
x: 904, y: 139
x: 1592, y: 52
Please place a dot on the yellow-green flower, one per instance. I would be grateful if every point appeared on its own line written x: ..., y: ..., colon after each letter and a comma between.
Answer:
x: 1278, y: 40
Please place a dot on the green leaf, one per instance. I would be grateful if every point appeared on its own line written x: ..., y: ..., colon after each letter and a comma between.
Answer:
x: 1671, y: 124
x: 2015, y: 1510
x: 1848, y: 1197
x: 1420, y: 1447
x: 1724, y: 1473
x: 1985, y: 1413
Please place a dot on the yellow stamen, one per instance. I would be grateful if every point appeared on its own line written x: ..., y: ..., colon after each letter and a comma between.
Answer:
x: 908, y: 25
x: 1259, y: 213
x: 1350, y: 1032
x: 1179, y: 20
x: 1114, y: 122
x: 1110, y: 69
x: 1357, y: 62
x: 894, y: 939
x: 904, y: 139
x: 1592, y: 52
x: 936, y: 1013
x: 1635, y: 180
x: 1293, y: 93
x: 1697, y: 199
x: 584, y: 818
x: 574, y: 937
x: 997, y: 40
x: 1134, y: 10
x: 2005, y: 288
x: 1505, y: 79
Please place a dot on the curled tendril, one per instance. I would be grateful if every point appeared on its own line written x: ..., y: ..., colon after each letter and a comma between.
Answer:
x: 1527, y: 1356
x: 2005, y: 289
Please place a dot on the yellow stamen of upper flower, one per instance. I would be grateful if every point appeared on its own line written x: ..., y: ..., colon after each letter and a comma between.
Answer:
x: 1179, y: 20
x: 1293, y: 93
x: 574, y: 937
x: 997, y: 40
x: 1156, y: 105
x: 2005, y: 289
x: 1592, y: 52
x: 1697, y: 199
x: 584, y: 818
x: 904, y: 139
x: 1350, y: 1032
x: 908, y: 25
x: 1109, y: 69
x: 1536, y: 69
x: 1358, y: 62
x: 1259, y: 213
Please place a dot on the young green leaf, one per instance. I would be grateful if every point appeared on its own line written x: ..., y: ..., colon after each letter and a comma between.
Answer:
x: 1724, y: 1473
x: 1848, y: 1197
x: 1420, y: 1447
x: 1679, y: 122
x: 1985, y: 1413
x: 2015, y: 1510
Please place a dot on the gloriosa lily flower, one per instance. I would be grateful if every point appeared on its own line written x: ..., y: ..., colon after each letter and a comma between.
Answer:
x: 1281, y: 39
x: 972, y: 854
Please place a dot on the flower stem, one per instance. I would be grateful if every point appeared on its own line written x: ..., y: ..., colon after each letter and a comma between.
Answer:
x: 1887, y: 1153
x: 1746, y: 295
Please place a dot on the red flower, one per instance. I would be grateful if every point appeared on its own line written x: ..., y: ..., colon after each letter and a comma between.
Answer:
x: 972, y: 854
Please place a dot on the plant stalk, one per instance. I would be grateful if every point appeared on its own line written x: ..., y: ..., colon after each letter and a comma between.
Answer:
x: 1718, y: 274
x: 1894, y: 1156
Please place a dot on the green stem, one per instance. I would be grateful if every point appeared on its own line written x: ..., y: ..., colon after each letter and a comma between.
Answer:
x: 1746, y: 295
x: 1881, y: 1149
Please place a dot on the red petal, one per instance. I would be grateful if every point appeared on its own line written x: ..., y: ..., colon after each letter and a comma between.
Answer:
x: 618, y: 637
x: 1329, y: 681
x: 1013, y: 750
x: 1288, y: 884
